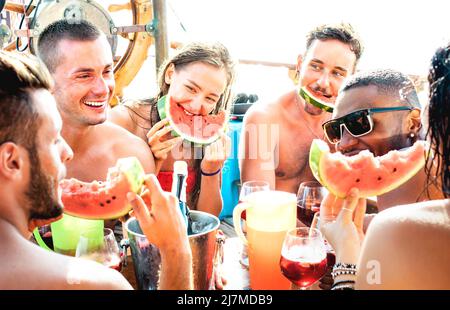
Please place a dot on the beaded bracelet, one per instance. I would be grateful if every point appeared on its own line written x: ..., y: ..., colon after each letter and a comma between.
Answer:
x: 337, y: 273
x: 340, y: 269
x: 343, y: 286
x: 210, y: 174
x: 343, y: 265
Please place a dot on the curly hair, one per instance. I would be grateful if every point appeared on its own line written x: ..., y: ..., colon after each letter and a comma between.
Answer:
x: 343, y: 32
x: 388, y: 82
x: 439, y: 118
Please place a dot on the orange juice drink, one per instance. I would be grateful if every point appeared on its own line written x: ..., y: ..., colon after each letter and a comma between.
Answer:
x: 270, y: 214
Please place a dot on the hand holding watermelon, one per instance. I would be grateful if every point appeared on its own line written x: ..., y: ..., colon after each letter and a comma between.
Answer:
x: 216, y: 153
x: 160, y: 141
x: 345, y: 234
x: 159, y: 217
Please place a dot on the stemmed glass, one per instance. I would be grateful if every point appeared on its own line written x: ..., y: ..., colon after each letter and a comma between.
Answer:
x: 103, y: 250
x: 246, y: 189
x: 251, y: 187
x: 309, y: 198
x: 331, y: 255
x: 303, y: 256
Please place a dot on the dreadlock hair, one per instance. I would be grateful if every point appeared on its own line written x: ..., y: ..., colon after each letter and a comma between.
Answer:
x: 439, y: 118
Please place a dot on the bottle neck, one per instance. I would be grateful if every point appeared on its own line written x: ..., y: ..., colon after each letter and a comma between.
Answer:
x: 179, y: 186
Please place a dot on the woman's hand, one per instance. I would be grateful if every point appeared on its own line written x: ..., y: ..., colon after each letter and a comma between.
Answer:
x: 345, y: 234
x: 160, y: 141
x: 215, y: 154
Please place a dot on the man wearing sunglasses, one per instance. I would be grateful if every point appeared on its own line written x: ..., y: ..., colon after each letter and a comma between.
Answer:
x: 379, y: 111
x: 277, y: 136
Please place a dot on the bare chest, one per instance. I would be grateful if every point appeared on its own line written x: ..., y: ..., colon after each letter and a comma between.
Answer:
x: 90, y: 166
x: 293, y: 151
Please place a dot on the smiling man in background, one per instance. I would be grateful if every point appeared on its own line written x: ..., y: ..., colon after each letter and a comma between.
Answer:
x: 276, y: 139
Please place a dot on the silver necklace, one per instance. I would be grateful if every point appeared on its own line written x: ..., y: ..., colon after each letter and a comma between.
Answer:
x: 306, y: 121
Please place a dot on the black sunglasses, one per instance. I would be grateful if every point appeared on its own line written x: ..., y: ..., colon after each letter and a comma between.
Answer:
x: 358, y: 123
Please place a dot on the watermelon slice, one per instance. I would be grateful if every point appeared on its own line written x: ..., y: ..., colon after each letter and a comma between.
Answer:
x: 104, y: 200
x: 194, y: 128
x: 305, y: 94
x: 373, y: 176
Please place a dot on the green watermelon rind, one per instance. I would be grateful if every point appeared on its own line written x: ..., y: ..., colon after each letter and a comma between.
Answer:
x: 318, y: 150
x: 161, y: 104
x: 163, y: 111
x: 318, y: 147
x: 132, y: 168
x: 308, y: 97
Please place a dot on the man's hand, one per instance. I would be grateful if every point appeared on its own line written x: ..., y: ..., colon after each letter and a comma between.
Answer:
x: 163, y: 225
x: 159, y: 216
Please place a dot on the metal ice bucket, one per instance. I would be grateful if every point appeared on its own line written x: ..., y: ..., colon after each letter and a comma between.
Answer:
x: 147, y: 260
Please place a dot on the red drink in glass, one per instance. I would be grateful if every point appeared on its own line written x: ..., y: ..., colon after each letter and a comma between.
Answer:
x: 114, y: 263
x: 244, y: 213
x: 303, y: 266
x: 331, y: 259
x: 303, y: 274
x: 306, y: 211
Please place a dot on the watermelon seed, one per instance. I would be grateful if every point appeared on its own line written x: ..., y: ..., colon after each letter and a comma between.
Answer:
x: 379, y: 178
x: 101, y: 204
x: 395, y: 169
x: 113, y: 197
x: 357, y: 180
x: 108, y: 201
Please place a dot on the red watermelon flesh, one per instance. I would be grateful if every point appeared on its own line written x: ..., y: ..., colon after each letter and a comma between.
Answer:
x: 103, y: 200
x: 202, y: 129
x: 372, y: 175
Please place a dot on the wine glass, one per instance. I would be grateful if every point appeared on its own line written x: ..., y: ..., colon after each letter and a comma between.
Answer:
x: 246, y: 189
x: 309, y: 198
x: 102, y: 249
x: 250, y: 187
x: 303, y: 256
x: 319, y: 219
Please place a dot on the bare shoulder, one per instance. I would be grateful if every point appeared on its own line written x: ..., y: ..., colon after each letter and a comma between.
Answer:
x: 268, y: 112
x: 410, y: 245
x: 125, y: 144
x: 421, y: 222
x: 84, y: 274
x: 120, y: 115
x: 433, y: 213
x: 30, y: 267
x: 131, y: 115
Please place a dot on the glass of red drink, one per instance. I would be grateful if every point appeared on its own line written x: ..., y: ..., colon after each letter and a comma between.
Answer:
x: 104, y: 250
x: 303, y: 256
x: 331, y: 256
x: 309, y: 198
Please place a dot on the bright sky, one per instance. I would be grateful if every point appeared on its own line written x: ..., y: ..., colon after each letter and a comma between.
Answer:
x: 398, y: 34
x: 401, y: 34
